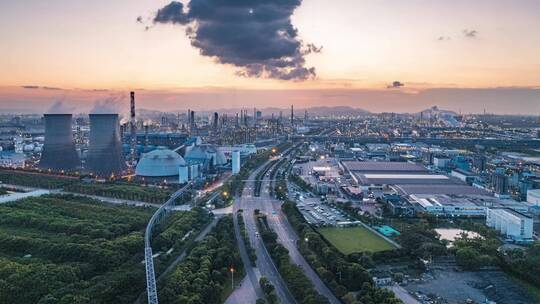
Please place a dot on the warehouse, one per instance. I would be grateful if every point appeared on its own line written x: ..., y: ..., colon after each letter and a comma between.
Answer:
x: 461, y: 204
x: 515, y: 225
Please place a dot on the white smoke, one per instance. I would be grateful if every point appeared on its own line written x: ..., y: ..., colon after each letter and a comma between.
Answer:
x: 60, y: 107
x: 110, y: 105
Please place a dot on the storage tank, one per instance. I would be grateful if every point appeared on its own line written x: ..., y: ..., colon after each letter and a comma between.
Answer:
x: 58, y: 149
x: 105, y: 157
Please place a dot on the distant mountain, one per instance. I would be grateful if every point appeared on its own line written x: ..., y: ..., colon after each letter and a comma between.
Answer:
x: 435, y: 111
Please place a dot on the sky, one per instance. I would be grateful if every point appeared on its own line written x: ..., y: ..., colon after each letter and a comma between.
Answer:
x: 380, y: 55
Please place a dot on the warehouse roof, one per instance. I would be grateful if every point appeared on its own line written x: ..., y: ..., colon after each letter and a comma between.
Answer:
x: 380, y: 167
x: 407, y: 189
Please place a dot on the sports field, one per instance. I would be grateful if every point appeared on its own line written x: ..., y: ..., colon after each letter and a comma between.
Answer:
x: 355, y: 239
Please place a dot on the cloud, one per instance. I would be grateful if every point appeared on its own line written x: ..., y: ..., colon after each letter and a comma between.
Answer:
x: 443, y: 38
x: 33, y: 87
x: 172, y: 13
x: 255, y: 36
x: 470, y: 33
x: 395, y: 85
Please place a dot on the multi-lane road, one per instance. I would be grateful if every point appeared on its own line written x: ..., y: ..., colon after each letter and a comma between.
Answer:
x: 286, y: 236
x: 264, y: 264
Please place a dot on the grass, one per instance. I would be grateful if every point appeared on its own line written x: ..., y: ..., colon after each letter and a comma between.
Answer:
x: 355, y: 239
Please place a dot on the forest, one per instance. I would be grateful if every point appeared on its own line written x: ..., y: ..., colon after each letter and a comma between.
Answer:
x: 70, y: 249
x: 203, y: 276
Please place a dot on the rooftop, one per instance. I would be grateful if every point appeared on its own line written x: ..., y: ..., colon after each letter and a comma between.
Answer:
x: 382, y: 167
x: 408, y: 189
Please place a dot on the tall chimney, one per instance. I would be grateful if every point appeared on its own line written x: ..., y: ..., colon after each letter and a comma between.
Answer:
x: 292, y: 115
x: 133, y: 130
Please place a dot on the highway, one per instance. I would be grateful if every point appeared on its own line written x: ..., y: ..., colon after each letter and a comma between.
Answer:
x: 265, y: 266
x: 288, y: 238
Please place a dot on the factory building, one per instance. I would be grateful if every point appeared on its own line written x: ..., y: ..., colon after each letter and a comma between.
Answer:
x: 206, y: 155
x: 236, y: 162
x: 533, y: 196
x: 9, y: 159
x: 515, y: 225
x: 464, y: 175
x: 188, y: 172
x: 59, y: 148
x: 161, y: 163
x: 471, y: 205
x: 378, y: 175
x: 245, y: 150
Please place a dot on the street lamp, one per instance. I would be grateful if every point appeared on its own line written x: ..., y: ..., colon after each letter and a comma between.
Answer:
x: 232, y: 278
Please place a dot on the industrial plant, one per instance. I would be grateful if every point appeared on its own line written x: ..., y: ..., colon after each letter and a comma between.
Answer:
x: 59, y: 148
x: 105, y: 156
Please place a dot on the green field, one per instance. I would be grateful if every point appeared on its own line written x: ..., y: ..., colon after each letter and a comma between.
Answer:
x: 355, y: 239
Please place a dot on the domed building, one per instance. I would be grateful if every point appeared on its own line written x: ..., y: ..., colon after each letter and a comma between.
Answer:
x: 160, y: 163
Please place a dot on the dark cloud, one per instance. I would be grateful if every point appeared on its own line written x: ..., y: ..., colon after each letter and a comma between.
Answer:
x: 395, y: 85
x: 254, y: 35
x: 470, y: 33
x: 172, y: 13
x: 39, y: 87
x: 443, y: 38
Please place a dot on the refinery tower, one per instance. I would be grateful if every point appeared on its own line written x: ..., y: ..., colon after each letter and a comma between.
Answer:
x: 105, y: 156
x: 59, y: 149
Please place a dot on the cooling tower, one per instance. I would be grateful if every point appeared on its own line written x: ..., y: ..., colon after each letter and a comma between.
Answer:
x: 59, y: 149
x: 105, y: 149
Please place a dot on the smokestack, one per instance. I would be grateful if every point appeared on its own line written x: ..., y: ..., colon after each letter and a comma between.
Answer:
x: 216, y: 121
x: 59, y: 149
x: 146, y: 135
x: 292, y: 115
x: 105, y: 156
x: 193, y: 126
x: 133, y: 129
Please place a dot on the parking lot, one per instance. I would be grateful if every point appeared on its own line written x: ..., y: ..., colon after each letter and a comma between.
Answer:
x: 314, y: 210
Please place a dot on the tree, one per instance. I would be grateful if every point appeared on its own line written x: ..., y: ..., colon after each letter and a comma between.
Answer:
x: 468, y: 258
